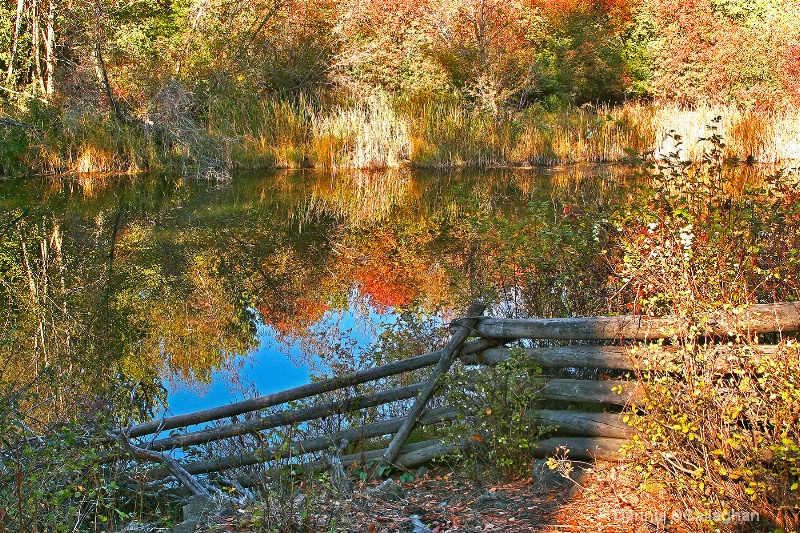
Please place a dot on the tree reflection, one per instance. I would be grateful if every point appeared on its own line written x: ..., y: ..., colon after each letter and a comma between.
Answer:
x: 155, y: 277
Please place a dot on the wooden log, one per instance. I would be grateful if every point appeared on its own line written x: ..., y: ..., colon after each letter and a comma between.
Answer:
x: 453, y: 347
x: 612, y: 392
x: 607, y: 391
x: 411, y: 455
x: 583, y: 328
x: 297, y: 393
x: 583, y: 424
x: 426, y: 455
x: 582, y: 356
x: 758, y: 318
x: 375, y: 429
x: 576, y: 356
x: 286, y: 418
x: 170, y: 464
x: 580, y: 448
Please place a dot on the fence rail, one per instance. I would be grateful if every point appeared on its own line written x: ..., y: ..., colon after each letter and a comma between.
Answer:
x: 587, y: 435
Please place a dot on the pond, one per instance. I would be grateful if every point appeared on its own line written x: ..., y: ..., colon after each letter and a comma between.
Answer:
x: 226, y: 290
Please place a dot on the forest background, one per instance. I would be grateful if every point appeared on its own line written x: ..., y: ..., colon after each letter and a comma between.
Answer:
x: 209, y: 86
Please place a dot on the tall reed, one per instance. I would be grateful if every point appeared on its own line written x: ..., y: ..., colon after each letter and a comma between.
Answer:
x: 366, y: 135
x: 266, y: 133
x: 378, y: 132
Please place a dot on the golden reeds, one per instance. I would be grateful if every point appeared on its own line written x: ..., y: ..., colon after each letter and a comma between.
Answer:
x: 377, y: 133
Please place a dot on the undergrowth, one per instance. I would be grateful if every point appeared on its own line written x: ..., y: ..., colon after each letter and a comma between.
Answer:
x: 213, y: 134
x: 493, y: 405
x: 717, y: 425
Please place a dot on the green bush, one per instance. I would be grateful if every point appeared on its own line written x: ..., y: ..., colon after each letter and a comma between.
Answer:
x: 695, y: 237
x: 69, y: 476
x: 493, y: 404
x: 719, y: 427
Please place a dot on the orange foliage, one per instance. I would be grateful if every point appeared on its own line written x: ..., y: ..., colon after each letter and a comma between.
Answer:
x: 614, y: 8
x: 387, y: 279
x: 386, y: 286
x: 290, y: 317
x: 791, y: 70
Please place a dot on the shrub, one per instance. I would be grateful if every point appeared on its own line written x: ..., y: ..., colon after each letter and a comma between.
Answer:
x: 705, y: 238
x: 717, y: 425
x: 720, y: 426
x: 493, y: 405
x: 68, y: 476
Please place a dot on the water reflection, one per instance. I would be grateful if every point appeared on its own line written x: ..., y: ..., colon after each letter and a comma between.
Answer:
x: 148, y: 278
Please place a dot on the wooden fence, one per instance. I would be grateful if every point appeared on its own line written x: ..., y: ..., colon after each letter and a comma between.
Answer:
x: 587, y: 435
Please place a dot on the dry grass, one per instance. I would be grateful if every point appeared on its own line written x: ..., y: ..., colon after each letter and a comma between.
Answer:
x: 375, y: 133
x: 767, y: 136
x: 365, y: 135
x: 586, y: 134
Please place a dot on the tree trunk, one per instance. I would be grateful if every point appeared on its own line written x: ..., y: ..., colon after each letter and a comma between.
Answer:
x: 102, y: 79
x: 37, y: 57
x: 49, y: 49
x: 15, y: 39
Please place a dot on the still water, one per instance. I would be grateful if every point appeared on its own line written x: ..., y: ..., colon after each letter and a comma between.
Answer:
x: 226, y: 290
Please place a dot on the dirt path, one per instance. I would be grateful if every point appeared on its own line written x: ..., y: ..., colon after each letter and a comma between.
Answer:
x: 445, y: 502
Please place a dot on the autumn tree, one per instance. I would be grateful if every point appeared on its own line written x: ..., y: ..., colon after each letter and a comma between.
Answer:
x: 721, y: 50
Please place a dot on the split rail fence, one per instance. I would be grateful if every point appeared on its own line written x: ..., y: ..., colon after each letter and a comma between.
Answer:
x: 596, y: 343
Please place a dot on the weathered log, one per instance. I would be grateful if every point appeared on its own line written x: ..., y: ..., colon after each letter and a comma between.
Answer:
x: 411, y: 455
x: 613, y: 392
x: 607, y: 391
x: 583, y: 356
x: 298, y: 393
x: 375, y: 429
x: 170, y: 465
x: 582, y: 328
x: 286, y: 418
x: 426, y: 455
x: 454, y: 346
x: 758, y: 318
x: 576, y: 356
x: 580, y: 448
x: 580, y: 423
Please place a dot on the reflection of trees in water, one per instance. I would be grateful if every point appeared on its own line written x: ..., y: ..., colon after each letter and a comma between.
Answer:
x: 154, y: 275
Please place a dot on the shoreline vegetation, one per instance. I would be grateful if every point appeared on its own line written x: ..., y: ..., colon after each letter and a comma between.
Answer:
x: 209, y: 87
x: 377, y: 133
x: 108, y: 288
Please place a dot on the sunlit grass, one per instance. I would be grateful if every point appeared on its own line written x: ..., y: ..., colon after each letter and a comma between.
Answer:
x: 377, y: 132
x: 365, y: 135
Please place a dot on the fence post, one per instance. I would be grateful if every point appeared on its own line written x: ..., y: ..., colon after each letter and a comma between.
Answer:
x: 448, y: 353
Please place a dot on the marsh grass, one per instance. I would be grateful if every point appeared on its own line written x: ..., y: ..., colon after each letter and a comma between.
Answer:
x: 269, y: 133
x: 764, y: 136
x: 378, y: 132
x: 365, y: 135
x: 89, y: 143
x: 451, y: 134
